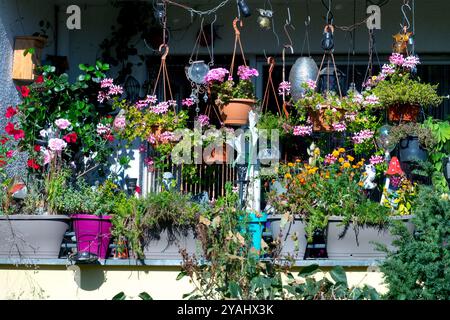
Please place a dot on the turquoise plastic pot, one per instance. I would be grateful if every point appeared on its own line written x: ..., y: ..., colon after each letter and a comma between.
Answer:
x: 255, y: 226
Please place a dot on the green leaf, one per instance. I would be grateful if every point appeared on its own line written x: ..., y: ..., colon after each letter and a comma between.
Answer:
x: 309, y: 270
x: 181, y: 275
x: 81, y: 77
x: 82, y: 67
x: 234, y: 289
x: 338, y: 275
x: 145, y: 296
x: 120, y: 296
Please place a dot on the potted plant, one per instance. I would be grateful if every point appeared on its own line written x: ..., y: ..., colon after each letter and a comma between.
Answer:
x: 413, y: 140
x: 235, y: 100
x: 398, y: 92
x: 327, y: 111
x: 159, y: 225
x: 27, y: 230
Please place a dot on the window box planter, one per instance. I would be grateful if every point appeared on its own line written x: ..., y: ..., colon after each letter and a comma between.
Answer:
x: 236, y: 111
x: 362, y: 246
x: 403, y: 113
x: 163, y: 247
x: 292, y: 236
x: 93, y: 234
x: 32, y: 236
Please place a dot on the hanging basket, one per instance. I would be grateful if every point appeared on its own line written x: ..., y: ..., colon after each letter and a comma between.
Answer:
x: 318, y: 120
x: 235, y: 112
x: 403, y: 113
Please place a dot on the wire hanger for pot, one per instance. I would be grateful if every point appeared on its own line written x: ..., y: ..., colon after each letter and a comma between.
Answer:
x: 307, y: 22
x: 237, y: 40
x: 265, y: 102
x: 291, y: 48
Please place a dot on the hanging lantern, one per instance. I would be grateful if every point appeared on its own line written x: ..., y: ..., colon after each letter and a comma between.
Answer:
x: 304, y: 69
x: 244, y: 8
x: 328, y: 80
x: 197, y: 71
x: 264, y: 17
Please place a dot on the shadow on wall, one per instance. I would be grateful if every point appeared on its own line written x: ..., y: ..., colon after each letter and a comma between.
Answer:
x: 87, y: 278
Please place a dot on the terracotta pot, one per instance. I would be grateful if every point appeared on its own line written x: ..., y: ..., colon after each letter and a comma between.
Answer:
x: 318, y: 119
x: 405, y: 113
x: 216, y: 156
x: 236, y: 111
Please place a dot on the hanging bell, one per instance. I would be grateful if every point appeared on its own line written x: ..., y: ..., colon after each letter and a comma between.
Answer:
x: 197, y: 71
x: 304, y: 69
x: 327, y: 38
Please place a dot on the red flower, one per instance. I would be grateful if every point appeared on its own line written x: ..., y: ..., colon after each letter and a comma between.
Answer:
x: 19, y: 134
x: 40, y: 79
x: 109, y: 137
x: 138, y: 190
x: 32, y: 164
x: 71, y: 137
x: 9, y: 129
x: 3, y: 140
x: 37, y: 148
x: 2, y: 162
x: 24, y: 90
x: 10, y: 153
x: 10, y: 112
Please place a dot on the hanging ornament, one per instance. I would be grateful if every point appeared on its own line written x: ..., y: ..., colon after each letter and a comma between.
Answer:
x: 265, y: 19
x: 383, y: 139
x: 197, y: 71
x: 304, y: 69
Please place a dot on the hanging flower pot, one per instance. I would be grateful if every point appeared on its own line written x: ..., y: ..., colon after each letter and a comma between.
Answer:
x: 405, y: 113
x: 411, y: 150
x: 321, y: 121
x: 235, y: 112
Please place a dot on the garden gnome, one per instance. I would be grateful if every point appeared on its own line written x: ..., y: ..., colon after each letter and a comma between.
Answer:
x: 394, y: 172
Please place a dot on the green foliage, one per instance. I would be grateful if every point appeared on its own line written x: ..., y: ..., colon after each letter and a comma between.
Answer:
x: 268, y: 122
x: 411, y: 129
x: 400, y: 89
x: 84, y: 199
x: 418, y: 268
x: 140, y: 219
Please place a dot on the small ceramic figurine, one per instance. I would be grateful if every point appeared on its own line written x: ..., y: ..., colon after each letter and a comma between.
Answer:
x: 369, y: 177
x: 401, y: 43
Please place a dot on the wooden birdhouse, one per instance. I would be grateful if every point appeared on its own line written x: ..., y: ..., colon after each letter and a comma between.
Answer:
x: 25, y: 62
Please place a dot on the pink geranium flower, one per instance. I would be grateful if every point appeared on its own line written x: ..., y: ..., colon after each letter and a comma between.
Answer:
x: 57, y: 144
x: 63, y: 124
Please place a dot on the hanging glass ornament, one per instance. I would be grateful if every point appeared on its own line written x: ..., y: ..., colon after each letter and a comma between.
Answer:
x: 304, y: 69
x: 383, y: 139
x: 197, y: 71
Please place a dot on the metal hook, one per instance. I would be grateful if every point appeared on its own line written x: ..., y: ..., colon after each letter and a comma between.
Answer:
x: 405, y: 4
x: 289, y: 45
x: 166, y: 52
x: 271, y: 63
x: 236, y: 30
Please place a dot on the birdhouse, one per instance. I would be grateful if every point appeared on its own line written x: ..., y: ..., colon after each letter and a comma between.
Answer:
x: 25, y: 62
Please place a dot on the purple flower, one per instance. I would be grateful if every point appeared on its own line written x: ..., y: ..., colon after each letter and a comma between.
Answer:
x: 102, y: 97
x: 371, y: 100
x: 284, y: 88
x: 106, y: 83
x: 149, y: 161
x: 246, y: 73
x: 411, y: 62
x: 397, y: 59
x: 376, y: 160
x: 142, y: 148
x: 330, y: 159
x: 203, y: 119
x: 358, y: 98
x: 388, y: 69
x: 303, y: 131
x: 339, y: 127
x: 350, y: 116
x: 160, y: 108
x: 362, y: 136
x: 167, y: 136
x: 217, y: 74
x: 115, y: 90
x: 188, y: 102
x: 172, y: 103
x: 311, y: 84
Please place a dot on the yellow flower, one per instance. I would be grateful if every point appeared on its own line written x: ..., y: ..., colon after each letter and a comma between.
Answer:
x: 361, y: 163
x: 374, y: 78
x: 350, y: 158
x: 298, y: 160
x: 346, y: 165
x: 317, y: 151
x: 290, y: 164
x: 341, y: 160
x: 341, y: 150
x: 288, y: 176
x: 360, y: 184
x: 335, y: 153
x: 313, y: 170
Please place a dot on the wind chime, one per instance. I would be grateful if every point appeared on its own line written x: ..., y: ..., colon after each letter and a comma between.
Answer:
x: 198, y: 69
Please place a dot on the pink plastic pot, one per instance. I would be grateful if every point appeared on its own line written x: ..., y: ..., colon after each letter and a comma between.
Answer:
x: 93, y: 234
